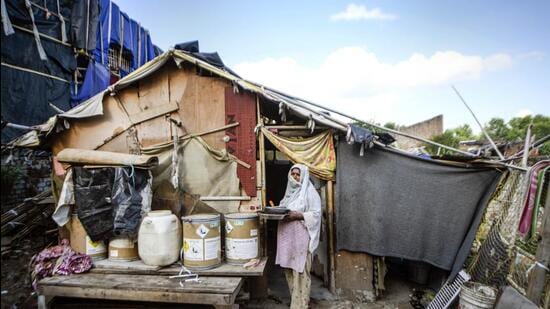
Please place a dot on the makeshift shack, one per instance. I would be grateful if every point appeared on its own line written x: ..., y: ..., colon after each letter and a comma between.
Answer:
x: 225, y: 144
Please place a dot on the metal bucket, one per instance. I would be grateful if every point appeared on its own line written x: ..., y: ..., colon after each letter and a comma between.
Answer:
x: 81, y: 242
x: 201, y: 241
x: 241, y: 237
x: 123, y: 249
x: 475, y: 295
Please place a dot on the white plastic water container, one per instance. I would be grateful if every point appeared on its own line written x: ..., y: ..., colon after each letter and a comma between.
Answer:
x: 159, y: 238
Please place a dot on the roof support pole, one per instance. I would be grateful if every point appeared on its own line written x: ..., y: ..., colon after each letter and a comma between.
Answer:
x: 480, y: 126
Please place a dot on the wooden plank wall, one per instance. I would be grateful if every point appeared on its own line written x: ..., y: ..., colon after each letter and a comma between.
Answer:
x: 136, y: 117
x: 354, y: 276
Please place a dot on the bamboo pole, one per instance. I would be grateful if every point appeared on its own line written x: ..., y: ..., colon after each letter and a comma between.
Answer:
x: 225, y: 198
x: 330, y: 232
x: 480, y: 126
x: 261, y: 142
x: 51, y: 38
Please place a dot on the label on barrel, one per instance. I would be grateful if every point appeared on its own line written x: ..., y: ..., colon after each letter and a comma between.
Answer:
x: 94, y: 247
x: 202, y: 231
x: 241, y: 248
x: 212, y: 248
x: 253, y: 232
x: 201, y: 249
x: 228, y: 227
x: 192, y: 249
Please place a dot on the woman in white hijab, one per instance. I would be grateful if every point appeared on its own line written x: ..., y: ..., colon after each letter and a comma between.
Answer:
x: 298, y: 234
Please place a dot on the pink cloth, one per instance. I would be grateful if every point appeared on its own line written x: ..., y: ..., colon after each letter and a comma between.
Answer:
x: 292, y: 245
x: 527, y: 214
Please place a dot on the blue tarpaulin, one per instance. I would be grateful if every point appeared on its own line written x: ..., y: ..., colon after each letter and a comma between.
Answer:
x: 96, y: 79
x: 115, y: 27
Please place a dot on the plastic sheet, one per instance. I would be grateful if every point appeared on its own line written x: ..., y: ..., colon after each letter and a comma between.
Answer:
x: 93, y: 188
x: 111, y: 202
x: 132, y: 197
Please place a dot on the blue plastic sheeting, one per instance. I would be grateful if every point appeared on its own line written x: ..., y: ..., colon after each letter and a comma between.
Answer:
x: 115, y: 24
x: 118, y: 28
x: 127, y: 37
x: 103, y: 30
x: 97, y: 78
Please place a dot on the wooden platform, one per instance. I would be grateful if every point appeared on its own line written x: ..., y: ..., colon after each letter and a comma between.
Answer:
x: 139, y: 268
x: 218, y: 291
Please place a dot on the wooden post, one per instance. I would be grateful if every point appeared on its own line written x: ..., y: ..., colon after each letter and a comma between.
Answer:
x: 538, y: 274
x: 261, y: 142
x: 259, y: 286
x: 330, y: 232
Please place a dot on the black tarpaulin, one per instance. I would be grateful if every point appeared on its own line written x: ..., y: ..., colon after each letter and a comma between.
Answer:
x: 392, y: 204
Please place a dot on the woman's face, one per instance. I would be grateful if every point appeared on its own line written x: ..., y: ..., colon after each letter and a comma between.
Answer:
x: 295, y: 173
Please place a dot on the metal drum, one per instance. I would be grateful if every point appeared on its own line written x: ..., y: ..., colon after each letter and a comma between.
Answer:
x: 201, y: 241
x: 123, y: 249
x: 81, y: 242
x: 241, y: 237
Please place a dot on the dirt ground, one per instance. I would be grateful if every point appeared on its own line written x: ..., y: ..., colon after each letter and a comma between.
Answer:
x: 16, y: 284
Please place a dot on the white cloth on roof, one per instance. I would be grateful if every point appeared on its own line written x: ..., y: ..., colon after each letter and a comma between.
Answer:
x: 302, y: 196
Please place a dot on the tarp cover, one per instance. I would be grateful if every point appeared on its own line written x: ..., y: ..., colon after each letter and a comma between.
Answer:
x: 393, y: 204
x: 203, y: 171
x: 316, y: 152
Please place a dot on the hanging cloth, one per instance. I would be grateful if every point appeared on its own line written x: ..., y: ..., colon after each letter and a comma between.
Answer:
x: 6, y: 22
x: 41, y: 51
x: 316, y: 152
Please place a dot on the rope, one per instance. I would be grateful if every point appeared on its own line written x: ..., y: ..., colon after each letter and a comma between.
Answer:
x: 35, y: 72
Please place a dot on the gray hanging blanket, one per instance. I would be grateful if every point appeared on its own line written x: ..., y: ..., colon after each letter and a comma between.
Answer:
x: 393, y: 204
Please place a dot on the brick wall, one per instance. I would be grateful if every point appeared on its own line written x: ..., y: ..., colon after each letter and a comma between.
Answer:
x: 425, y: 129
x: 33, y: 169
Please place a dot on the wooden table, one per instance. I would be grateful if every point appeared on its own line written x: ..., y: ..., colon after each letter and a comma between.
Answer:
x: 218, y: 291
x: 255, y: 276
x: 138, y: 268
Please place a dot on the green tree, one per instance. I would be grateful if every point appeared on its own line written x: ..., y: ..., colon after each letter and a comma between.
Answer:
x: 497, y: 129
x: 451, y: 137
x: 516, y: 129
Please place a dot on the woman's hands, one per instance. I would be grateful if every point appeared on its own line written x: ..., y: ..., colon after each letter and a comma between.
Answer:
x: 293, y: 215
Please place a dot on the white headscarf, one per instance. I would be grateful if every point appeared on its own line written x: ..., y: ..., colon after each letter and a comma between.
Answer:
x: 302, y: 197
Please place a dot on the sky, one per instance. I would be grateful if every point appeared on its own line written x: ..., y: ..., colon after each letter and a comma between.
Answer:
x: 377, y: 60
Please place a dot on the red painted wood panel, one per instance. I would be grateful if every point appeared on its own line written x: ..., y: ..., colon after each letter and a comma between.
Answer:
x: 241, y: 108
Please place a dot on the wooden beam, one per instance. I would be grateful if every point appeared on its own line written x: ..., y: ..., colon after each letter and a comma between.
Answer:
x: 154, y: 112
x: 294, y: 127
x: 330, y: 232
x: 225, y: 198
x: 538, y: 274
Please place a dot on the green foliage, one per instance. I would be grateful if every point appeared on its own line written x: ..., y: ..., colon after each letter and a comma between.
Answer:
x: 391, y: 125
x: 10, y: 174
x: 499, y: 130
x: 451, y: 137
x: 516, y: 129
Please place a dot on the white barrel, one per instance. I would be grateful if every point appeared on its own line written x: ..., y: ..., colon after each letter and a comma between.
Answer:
x: 159, y: 238
x: 474, y: 295
x: 201, y: 241
x: 241, y: 237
